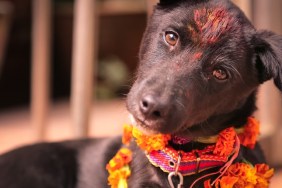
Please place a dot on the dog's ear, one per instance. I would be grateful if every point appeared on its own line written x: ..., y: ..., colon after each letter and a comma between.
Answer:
x: 268, y: 49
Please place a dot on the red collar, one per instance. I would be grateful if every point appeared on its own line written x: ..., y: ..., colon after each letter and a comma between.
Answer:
x: 213, y: 155
x: 188, y: 163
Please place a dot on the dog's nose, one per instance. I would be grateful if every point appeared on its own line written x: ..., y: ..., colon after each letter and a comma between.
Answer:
x: 150, y: 107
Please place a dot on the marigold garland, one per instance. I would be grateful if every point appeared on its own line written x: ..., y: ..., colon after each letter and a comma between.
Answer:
x: 145, y: 142
x: 119, y: 169
x: 225, y: 142
x: 238, y: 175
x: 127, y: 134
x: 241, y: 175
x: 251, y: 131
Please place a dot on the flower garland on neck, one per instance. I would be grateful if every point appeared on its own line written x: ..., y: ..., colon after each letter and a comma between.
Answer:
x: 224, y: 150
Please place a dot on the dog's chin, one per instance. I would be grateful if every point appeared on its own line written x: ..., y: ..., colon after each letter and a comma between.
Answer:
x: 153, y: 128
x: 145, y: 128
x: 185, y: 131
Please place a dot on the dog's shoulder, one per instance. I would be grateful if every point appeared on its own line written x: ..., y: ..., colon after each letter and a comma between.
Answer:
x: 92, y: 161
x: 55, y: 164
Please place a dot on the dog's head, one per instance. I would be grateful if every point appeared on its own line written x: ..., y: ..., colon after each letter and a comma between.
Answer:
x: 200, y: 65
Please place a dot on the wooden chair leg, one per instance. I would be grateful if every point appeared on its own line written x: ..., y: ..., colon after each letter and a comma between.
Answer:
x: 41, y: 53
x: 84, y: 53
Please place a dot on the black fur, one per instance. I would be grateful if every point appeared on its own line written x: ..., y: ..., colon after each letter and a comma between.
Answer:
x: 176, y: 91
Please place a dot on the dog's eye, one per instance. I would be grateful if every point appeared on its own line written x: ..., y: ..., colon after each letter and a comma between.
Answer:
x: 220, y: 74
x: 171, y: 38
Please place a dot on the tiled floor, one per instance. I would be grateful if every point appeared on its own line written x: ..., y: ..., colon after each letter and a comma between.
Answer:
x: 107, y: 119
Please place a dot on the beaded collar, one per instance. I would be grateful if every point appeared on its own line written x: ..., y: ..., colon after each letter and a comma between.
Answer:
x: 221, y: 151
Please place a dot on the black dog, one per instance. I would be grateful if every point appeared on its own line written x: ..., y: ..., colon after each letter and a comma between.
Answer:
x: 201, y: 62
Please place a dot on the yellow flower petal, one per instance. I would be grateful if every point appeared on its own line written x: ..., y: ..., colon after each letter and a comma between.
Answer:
x: 122, y: 183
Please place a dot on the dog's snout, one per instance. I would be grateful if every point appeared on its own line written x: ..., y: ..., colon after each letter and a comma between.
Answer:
x: 151, y: 107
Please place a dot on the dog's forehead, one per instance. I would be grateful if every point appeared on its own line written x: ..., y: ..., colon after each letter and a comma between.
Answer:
x: 209, y: 24
x: 205, y: 24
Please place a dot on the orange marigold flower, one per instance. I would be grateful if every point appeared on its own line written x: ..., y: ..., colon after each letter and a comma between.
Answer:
x: 122, y: 158
x: 244, y: 175
x: 118, y: 168
x: 127, y: 134
x: 228, y: 181
x: 251, y: 131
x: 118, y: 178
x: 264, y: 174
x: 225, y: 142
x: 207, y: 184
x: 122, y: 183
x: 243, y: 171
x: 264, y: 170
x: 152, y: 142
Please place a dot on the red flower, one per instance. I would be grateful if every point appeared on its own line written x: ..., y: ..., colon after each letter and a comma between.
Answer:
x: 251, y: 131
x: 225, y: 142
x: 263, y: 175
x: 228, y: 181
x: 207, y: 184
x: 242, y: 175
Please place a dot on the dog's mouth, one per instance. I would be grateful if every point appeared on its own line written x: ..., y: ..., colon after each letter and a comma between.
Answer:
x: 145, y: 126
x: 151, y: 128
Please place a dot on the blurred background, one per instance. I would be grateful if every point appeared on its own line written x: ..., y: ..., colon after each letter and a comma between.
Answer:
x: 49, y: 47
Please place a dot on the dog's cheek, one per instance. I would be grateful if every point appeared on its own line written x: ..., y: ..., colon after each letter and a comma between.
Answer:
x: 204, y: 100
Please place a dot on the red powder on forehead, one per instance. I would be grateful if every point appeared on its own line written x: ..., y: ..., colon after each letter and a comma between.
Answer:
x: 198, y: 55
x: 210, y: 24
